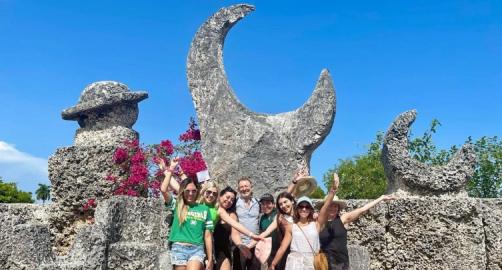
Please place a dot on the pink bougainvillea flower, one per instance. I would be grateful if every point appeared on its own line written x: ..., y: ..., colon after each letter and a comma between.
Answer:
x: 120, y: 155
x: 138, y: 157
x: 193, y: 164
x: 167, y: 146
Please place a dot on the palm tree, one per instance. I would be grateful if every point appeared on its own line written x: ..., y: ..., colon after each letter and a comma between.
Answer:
x: 43, y: 192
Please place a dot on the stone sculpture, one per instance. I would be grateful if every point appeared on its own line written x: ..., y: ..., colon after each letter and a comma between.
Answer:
x: 106, y: 112
x: 237, y: 142
x: 409, y: 176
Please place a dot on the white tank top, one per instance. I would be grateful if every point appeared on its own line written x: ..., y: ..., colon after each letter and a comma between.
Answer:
x: 299, y: 242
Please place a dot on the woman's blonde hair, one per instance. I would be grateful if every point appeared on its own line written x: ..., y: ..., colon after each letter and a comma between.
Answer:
x: 207, y: 185
x: 181, y: 204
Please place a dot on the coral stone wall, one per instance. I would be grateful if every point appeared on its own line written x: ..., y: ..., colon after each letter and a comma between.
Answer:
x: 431, y: 233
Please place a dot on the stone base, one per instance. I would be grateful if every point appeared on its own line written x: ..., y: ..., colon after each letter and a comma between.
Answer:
x: 77, y: 174
x: 25, y: 240
x: 431, y: 233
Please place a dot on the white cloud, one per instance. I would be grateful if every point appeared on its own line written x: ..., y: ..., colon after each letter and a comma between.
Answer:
x: 24, y: 169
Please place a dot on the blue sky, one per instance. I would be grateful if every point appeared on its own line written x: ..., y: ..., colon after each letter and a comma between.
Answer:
x: 443, y: 58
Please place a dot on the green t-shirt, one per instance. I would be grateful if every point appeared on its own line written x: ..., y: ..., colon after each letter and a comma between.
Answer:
x: 214, y: 214
x: 197, y: 221
x: 265, y: 221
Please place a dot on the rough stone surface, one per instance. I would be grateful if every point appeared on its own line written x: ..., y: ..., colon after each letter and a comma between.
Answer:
x: 24, y: 236
x: 128, y: 233
x: 430, y: 233
x: 112, y: 136
x: 359, y: 257
x: 492, y: 224
x: 100, y: 97
x: 76, y: 174
x: 236, y: 141
x: 106, y: 112
x: 409, y: 176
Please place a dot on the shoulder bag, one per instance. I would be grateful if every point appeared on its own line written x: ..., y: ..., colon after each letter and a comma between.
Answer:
x: 320, y: 259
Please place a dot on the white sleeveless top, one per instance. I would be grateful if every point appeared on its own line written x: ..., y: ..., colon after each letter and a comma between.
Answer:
x: 299, y: 242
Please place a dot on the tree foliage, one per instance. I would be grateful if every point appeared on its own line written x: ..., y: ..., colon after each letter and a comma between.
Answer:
x: 362, y: 176
x: 318, y: 193
x: 43, y: 192
x: 10, y: 194
x: 487, y: 179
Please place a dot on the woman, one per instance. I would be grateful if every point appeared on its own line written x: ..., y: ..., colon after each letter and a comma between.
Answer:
x: 303, y: 234
x: 192, y: 226
x: 208, y: 196
x: 334, y: 236
x: 286, y: 205
x: 224, y: 231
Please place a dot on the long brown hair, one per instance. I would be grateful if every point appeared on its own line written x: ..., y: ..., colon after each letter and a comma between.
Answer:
x: 182, y: 205
x: 280, y: 216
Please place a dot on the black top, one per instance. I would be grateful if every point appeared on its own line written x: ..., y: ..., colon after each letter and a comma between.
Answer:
x: 333, y: 240
x: 221, y: 235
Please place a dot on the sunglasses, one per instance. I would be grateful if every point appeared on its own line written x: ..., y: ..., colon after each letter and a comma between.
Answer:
x: 209, y: 192
x: 304, y: 206
x: 190, y: 191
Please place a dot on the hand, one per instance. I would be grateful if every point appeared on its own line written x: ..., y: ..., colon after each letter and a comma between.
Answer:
x: 336, y: 182
x: 271, y: 267
x: 174, y: 163
x: 299, y: 173
x: 209, y: 264
x: 161, y: 163
x: 244, y: 251
x: 256, y: 237
x: 388, y: 197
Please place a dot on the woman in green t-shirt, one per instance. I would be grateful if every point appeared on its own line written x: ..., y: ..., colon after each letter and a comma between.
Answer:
x: 208, y: 196
x: 192, y: 228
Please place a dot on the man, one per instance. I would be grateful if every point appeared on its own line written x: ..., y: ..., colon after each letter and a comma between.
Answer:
x: 248, y: 212
x: 269, y: 212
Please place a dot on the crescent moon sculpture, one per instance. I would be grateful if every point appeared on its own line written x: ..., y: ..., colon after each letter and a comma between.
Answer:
x: 237, y: 142
x: 411, y: 176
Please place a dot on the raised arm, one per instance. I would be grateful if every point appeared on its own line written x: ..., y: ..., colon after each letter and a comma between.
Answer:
x: 236, y: 225
x: 355, y: 214
x: 169, y: 180
x: 298, y: 174
x: 286, y: 241
x: 323, y: 213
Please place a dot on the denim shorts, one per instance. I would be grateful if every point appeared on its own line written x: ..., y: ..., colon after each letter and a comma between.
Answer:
x: 181, y: 254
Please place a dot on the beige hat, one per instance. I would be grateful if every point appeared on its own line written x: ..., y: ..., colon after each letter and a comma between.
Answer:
x: 304, y: 186
x: 341, y: 204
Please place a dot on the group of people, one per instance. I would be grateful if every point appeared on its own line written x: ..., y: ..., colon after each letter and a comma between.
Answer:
x: 219, y: 229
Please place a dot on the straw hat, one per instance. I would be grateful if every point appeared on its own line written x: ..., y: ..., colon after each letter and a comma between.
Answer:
x: 304, y: 186
x: 341, y: 203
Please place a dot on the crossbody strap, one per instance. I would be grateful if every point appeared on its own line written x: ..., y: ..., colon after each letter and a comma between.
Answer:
x: 313, y: 251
